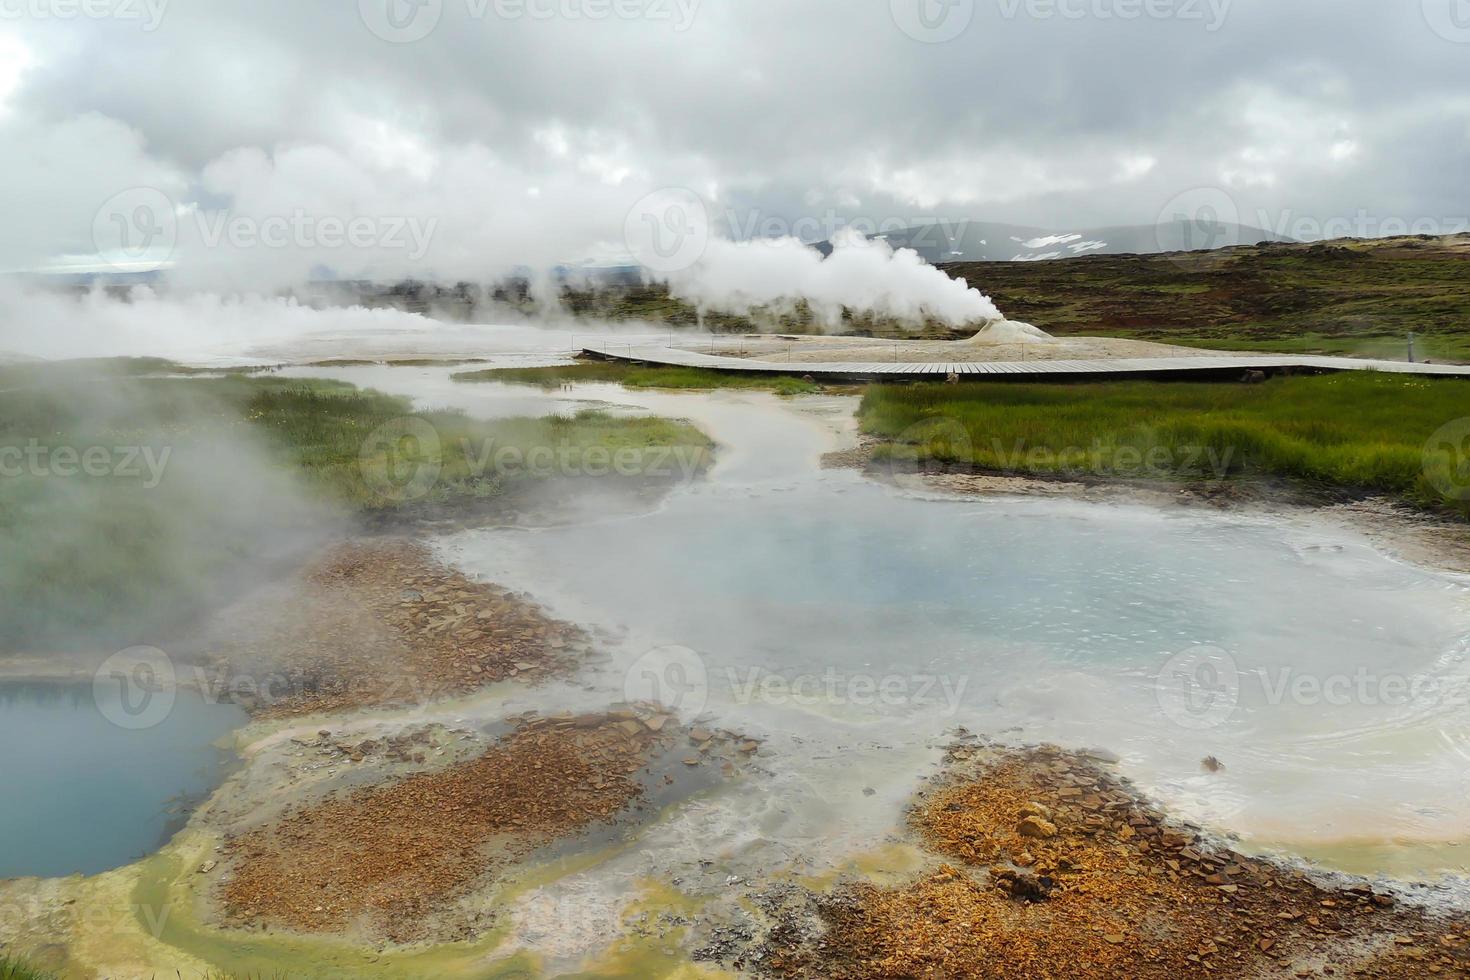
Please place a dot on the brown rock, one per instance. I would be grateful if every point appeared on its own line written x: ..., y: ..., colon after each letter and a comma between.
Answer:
x: 1038, y: 827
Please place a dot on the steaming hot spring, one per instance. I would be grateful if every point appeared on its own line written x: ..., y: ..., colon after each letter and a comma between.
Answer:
x: 867, y: 277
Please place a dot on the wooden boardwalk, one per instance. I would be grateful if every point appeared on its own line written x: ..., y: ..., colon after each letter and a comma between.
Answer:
x: 1211, y: 366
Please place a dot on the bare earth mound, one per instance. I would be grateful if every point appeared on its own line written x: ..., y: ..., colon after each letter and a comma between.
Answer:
x: 1054, y: 868
x: 382, y: 860
x: 382, y: 623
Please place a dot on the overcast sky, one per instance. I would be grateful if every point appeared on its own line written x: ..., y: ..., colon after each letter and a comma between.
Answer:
x: 466, y: 136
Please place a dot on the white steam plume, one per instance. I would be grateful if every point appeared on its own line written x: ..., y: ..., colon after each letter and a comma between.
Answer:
x: 46, y: 324
x: 209, y: 329
x: 862, y: 275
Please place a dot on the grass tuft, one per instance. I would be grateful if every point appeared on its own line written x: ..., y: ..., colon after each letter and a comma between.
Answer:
x: 244, y: 471
x: 15, y: 970
x: 632, y: 376
x: 1348, y: 431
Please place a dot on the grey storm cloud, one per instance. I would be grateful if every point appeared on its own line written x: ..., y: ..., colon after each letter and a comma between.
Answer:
x: 526, y: 129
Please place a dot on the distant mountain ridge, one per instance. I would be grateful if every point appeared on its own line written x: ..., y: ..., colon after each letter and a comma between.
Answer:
x: 991, y: 241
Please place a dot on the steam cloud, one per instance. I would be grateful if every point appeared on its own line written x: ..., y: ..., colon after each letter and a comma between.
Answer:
x: 861, y: 275
x: 209, y: 329
x: 191, y: 326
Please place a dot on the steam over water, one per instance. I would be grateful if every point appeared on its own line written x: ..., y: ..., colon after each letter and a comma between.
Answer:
x: 854, y: 626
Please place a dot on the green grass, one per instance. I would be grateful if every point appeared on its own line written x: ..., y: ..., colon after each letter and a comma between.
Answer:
x: 60, y: 371
x: 15, y: 970
x: 641, y: 377
x: 1348, y: 431
x: 1438, y: 348
x: 1357, y: 298
x: 231, y: 472
x: 339, y: 444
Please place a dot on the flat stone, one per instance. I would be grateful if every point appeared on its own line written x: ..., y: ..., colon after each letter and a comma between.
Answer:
x: 1039, y: 827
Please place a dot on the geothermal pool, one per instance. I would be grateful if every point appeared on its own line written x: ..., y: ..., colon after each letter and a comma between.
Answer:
x: 854, y: 626
x: 83, y: 794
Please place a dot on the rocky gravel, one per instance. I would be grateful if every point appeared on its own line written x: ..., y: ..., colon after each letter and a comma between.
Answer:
x: 381, y: 622
x: 1048, y: 865
x: 388, y: 862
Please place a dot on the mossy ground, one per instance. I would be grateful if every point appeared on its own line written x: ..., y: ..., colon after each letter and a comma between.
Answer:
x: 199, y: 477
x: 641, y: 377
x: 1354, y: 297
x: 1367, y: 432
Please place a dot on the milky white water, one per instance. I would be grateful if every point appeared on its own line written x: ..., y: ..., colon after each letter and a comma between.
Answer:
x: 853, y: 627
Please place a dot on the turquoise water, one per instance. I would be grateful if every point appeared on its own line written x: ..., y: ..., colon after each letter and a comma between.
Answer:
x: 1044, y: 620
x: 855, y: 626
x: 84, y: 795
